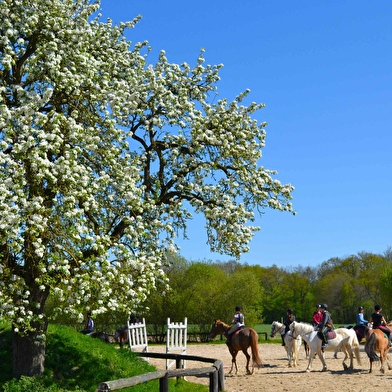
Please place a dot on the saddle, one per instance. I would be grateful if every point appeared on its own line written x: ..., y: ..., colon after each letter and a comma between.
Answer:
x: 237, y: 331
x: 329, y: 335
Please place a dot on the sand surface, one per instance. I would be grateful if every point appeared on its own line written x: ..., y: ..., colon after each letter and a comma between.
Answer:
x: 277, y: 376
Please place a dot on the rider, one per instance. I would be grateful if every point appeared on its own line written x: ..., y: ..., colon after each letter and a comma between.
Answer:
x: 325, y: 325
x: 360, y: 318
x: 238, y: 321
x: 378, y: 322
x: 288, y: 320
x: 317, y: 316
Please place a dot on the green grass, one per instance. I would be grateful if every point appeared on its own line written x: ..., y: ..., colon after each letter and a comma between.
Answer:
x: 75, y: 362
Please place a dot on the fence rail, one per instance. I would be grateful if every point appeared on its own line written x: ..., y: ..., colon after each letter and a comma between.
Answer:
x: 215, y: 372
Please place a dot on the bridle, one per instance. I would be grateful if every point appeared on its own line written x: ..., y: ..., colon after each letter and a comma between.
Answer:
x: 276, y: 329
x: 292, y: 330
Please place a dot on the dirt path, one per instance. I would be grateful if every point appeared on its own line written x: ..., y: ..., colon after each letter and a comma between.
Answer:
x: 277, y: 376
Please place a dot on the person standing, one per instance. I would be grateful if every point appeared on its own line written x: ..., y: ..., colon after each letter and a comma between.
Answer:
x: 325, y: 325
x: 287, y: 321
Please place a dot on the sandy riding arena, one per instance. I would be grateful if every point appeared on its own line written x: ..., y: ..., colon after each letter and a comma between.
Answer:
x: 277, y: 376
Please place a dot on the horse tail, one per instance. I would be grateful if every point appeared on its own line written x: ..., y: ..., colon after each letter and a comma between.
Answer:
x: 255, y: 351
x: 370, y: 347
x: 357, y: 351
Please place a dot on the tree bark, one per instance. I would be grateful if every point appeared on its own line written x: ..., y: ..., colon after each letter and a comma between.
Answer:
x: 28, y: 354
x: 28, y: 350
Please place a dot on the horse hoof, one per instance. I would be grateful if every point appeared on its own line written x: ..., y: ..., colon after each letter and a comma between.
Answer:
x: 324, y: 369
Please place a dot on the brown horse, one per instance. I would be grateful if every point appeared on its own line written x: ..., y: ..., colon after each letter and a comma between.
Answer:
x: 121, y: 335
x: 377, y: 341
x: 361, y: 331
x: 240, y: 341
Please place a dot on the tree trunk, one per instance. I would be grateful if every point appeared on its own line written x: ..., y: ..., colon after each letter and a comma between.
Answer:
x: 28, y: 354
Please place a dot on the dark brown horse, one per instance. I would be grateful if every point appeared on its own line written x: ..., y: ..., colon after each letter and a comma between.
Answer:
x: 377, y: 341
x: 121, y: 335
x: 240, y: 341
x: 361, y: 331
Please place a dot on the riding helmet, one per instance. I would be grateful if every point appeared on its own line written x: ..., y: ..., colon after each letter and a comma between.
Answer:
x: 237, y: 308
x: 360, y: 308
x: 324, y: 306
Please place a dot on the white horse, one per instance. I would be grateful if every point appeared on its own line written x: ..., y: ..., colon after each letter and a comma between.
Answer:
x: 291, y: 345
x: 346, y: 340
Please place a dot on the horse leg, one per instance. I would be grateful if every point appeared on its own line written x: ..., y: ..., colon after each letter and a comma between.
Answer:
x: 383, y: 354
x: 233, y: 361
x: 351, y: 353
x: 346, y: 353
x: 247, y: 361
x: 387, y: 360
x: 312, y: 353
x: 296, y: 352
x: 322, y: 359
x: 306, y: 347
x: 287, y: 347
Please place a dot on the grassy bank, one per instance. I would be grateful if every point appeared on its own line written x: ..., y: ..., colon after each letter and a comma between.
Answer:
x: 75, y: 362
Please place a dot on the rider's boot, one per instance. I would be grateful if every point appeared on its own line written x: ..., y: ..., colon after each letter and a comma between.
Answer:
x: 283, y: 343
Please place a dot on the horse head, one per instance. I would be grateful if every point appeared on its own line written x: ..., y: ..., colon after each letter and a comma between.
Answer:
x: 275, y: 327
x: 217, y: 328
x: 292, y: 329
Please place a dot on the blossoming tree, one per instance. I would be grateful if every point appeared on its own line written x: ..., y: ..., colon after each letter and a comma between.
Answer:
x: 104, y: 158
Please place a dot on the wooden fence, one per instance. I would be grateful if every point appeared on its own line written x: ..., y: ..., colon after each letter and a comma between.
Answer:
x: 215, y: 372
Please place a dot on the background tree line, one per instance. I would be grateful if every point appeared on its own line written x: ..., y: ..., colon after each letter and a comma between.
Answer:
x: 205, y: 290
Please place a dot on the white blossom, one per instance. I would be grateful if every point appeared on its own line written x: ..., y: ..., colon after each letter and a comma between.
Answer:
x: 105, y: 157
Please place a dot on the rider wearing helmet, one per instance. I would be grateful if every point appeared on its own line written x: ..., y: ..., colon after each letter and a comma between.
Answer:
x: 378, y: 321
x: 287, y: 321
x: 317, y: 316
x: 360, y: 318
x: 238, y: 321
x: 325, y: 325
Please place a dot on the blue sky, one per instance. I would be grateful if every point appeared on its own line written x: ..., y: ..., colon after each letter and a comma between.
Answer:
x: 324, y: 71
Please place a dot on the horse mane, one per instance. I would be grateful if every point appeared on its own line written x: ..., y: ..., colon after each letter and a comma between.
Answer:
x: 224, y: 325
x: 301, y: 324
